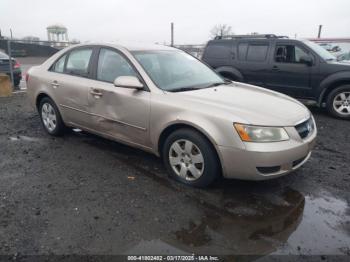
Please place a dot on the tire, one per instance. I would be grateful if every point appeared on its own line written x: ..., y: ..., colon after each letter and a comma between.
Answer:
x: 228, y: 76
x: 16, y: 82
x: 50, y: 116
x: 200, y: 160
x: 337, y: 99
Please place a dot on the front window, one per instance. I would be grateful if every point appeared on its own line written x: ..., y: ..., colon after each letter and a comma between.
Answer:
x: 320, y: 51
x: 112, y: 65
x: 289, y: 54
x: 176, y: 70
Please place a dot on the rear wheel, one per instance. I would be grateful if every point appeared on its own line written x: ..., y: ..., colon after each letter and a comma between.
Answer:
x: 190, y: 158
x: 338, y: 102
x: 51, y: 117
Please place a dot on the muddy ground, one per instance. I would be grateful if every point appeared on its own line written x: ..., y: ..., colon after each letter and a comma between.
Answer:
x: 81, y: 194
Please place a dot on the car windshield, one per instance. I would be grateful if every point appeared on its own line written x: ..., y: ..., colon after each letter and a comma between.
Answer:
x: 176, y: 70
x: 320, y: 51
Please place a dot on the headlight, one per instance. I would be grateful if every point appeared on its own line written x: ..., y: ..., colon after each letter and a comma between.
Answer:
x: 260, y: 133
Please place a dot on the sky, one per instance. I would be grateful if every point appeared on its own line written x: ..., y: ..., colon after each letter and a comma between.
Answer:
x: 148, y: 21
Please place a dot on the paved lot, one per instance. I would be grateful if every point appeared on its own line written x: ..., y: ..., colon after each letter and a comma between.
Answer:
x: 86, y: 195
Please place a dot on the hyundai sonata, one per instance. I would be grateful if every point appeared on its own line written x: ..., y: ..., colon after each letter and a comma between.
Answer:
x: 165, y: 101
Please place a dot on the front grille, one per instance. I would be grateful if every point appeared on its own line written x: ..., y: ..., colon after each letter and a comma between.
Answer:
x: 305, y: 128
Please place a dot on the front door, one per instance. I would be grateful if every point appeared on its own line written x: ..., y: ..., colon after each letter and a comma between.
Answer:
x: 287, y: 73
x: 119, y: 112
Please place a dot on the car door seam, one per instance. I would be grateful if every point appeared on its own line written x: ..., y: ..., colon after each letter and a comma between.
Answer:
x: 110, y: 119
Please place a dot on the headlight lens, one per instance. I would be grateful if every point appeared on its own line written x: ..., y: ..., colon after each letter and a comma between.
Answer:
x: 260, y: 133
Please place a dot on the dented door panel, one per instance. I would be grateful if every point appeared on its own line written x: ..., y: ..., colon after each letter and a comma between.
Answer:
x: 120, y: 112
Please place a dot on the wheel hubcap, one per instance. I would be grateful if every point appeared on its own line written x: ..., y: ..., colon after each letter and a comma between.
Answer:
x: 48, y: 116
x: 186, y: 159
x: 341, y: 103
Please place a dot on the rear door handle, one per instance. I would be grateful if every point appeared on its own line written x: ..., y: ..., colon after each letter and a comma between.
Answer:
x: 96, y: 92
x: 275, y: 68
x: 55, y: 84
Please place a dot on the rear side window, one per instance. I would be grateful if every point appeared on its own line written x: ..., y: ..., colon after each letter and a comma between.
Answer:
x: 257, y: 52
x: 59, y: 65
x: 242, y: 51
x: 78, y: 62
x: 219, y: 49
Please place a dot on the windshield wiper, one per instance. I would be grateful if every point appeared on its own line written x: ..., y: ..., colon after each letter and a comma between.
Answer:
x: 218, y: 84
x: 182, y: 89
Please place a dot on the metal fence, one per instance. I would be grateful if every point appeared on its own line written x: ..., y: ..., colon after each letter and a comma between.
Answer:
x: 23, y: 48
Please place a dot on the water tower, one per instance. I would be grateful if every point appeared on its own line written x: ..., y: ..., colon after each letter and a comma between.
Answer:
x: 57, y: 33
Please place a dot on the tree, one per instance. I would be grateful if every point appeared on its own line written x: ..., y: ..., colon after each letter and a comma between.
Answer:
x: 221, y: 30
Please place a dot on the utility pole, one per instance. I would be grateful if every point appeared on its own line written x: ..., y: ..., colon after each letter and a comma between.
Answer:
x: 11, y: 32
x: 319, y: 31
x: 10, y: 61
x: 172, y: 34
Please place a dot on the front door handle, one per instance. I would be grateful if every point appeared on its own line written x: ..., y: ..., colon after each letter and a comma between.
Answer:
x: 55, y: 84
x: 275, y: 68
x: 96, y: 92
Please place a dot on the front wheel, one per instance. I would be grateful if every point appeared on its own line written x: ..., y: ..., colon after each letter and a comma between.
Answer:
x: 338, y: 102
x: 190, y: 158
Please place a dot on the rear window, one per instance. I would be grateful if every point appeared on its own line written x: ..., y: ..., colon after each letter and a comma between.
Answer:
x: 78, y: 62
x: 219, y: 49
x: 257, y: 52
x: 3, y: 56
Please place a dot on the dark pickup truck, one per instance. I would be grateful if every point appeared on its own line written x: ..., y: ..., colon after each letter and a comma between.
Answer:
x: 299, y: 68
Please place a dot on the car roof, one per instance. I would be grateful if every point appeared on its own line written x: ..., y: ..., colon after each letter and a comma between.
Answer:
x: 132, y: 46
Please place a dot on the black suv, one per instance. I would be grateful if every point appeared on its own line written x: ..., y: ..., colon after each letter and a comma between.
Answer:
x: 298, y: 68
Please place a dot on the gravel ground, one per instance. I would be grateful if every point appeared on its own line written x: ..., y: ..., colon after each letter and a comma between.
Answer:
x: 81, y: 194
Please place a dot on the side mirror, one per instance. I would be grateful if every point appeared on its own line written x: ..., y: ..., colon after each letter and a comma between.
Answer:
x: 128, y: 82
x: 306, y: 60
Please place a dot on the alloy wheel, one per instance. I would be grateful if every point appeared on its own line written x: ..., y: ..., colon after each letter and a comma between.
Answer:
x: 341, y: 103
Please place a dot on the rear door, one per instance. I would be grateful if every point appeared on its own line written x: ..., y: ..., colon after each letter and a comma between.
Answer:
x: 252, y: 60
x: 119, y: 112
x: 219, y: 53
x: 70, y: 82
x: 286, y: 73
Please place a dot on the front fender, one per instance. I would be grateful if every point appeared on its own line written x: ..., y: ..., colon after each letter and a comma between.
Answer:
x: 330, y: 81
x: 218, y: 131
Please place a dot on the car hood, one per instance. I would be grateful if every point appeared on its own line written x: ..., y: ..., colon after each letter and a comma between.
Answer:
x: 340, y: 65
x: 248, y: 104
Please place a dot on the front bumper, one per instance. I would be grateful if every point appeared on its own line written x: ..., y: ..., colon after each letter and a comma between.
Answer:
x: 261, y: 161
